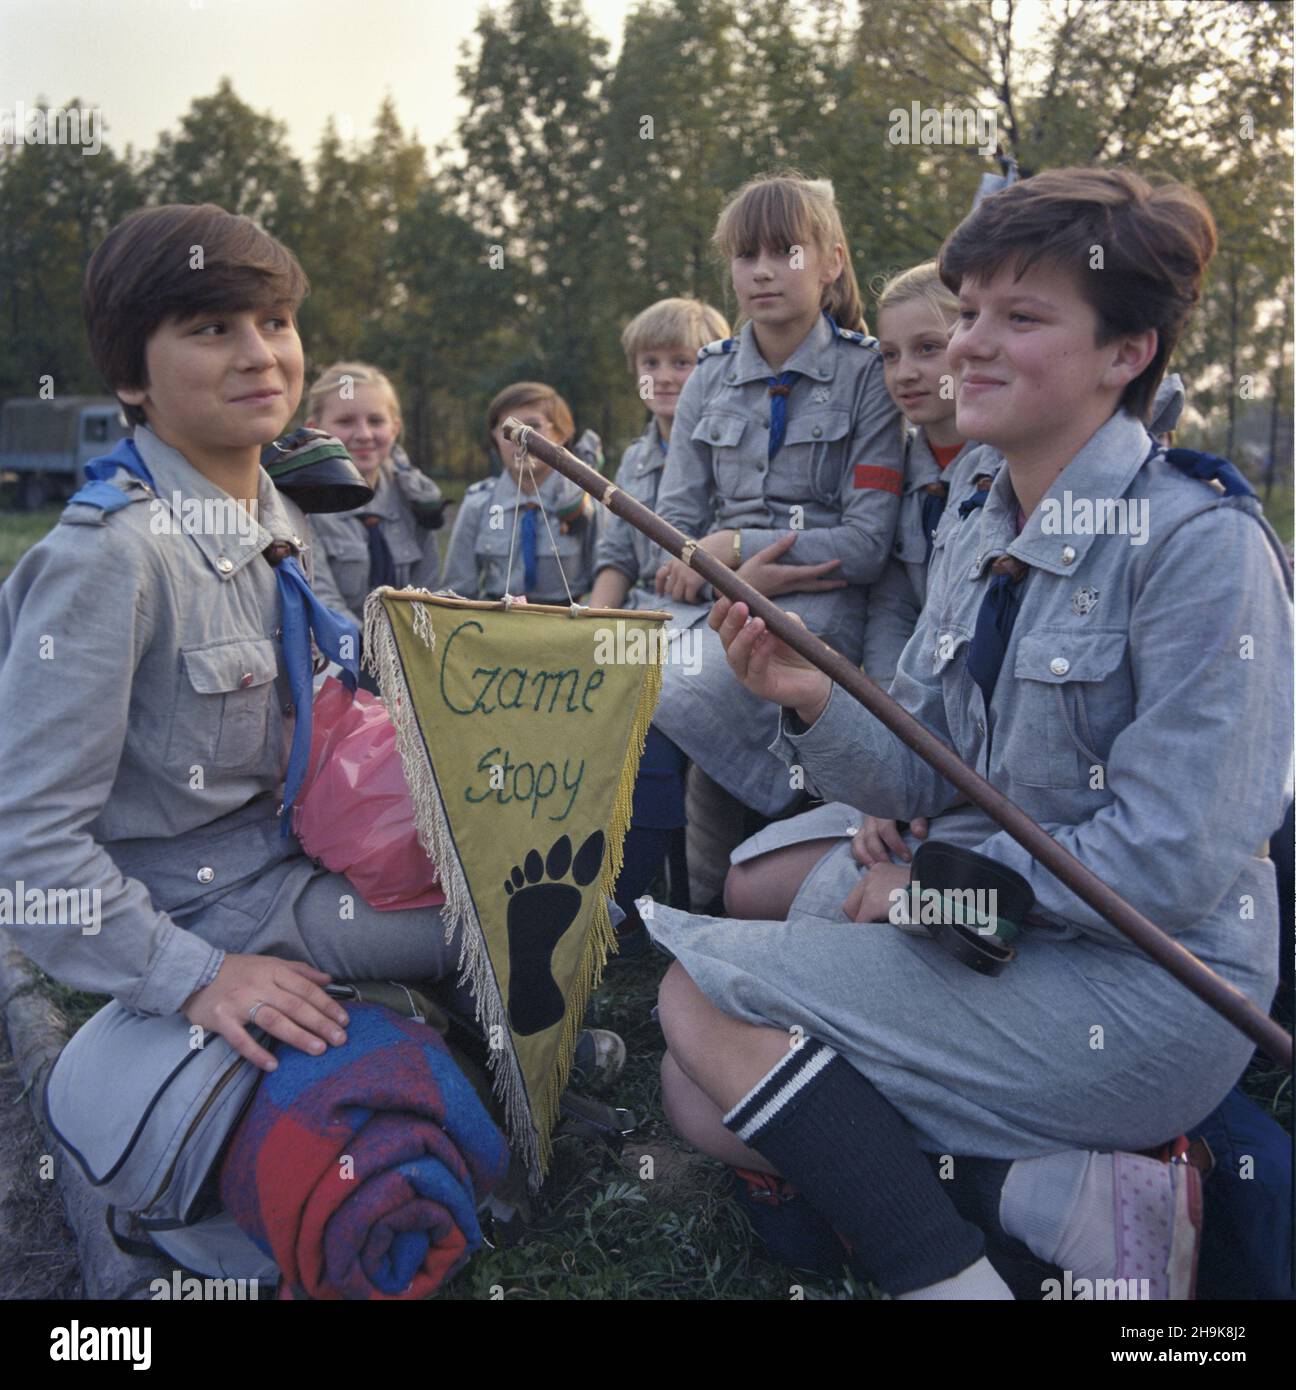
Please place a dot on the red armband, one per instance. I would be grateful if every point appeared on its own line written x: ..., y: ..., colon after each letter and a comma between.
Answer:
x: 888, y: 479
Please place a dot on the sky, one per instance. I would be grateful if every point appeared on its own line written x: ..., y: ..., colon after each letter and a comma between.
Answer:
x: 141, y: 62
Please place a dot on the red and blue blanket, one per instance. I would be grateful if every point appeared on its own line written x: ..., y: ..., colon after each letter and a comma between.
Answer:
x: 361, y: 1171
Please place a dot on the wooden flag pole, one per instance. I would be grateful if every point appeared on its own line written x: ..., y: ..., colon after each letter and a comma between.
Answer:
x: 1223, y: 997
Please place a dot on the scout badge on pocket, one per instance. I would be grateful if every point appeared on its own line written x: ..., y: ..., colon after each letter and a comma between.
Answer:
x: 520, y: 728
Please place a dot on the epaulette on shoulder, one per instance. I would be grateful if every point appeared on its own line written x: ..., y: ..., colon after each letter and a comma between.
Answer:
x: 1218, y: 473
x: 96, y: 501
x: 853, y: 335
x: 719, y: 348
x: 481, y: 485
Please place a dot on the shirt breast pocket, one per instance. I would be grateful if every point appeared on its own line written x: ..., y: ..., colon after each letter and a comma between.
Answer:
x: 1074, y: 696
x: 348, y: 557
x: 814, y: 453
x: 737, y: 476
x: 405, y: 545
x: 227, y: 696
x: 491, y: 551
x: 643, y: 486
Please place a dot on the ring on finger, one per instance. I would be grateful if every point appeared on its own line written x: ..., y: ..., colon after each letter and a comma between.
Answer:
x: 260, y: 1003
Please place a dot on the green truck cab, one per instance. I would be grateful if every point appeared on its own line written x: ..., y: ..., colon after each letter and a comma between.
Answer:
x: 45, y: 443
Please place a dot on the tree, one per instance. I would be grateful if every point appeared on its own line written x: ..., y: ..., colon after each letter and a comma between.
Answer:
x: 228, y: 154
x: 532, y: 155
x: 56, y: 203
x: 451, y: 334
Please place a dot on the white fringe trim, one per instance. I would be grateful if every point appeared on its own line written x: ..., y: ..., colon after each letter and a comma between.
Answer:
x: 382, y: 658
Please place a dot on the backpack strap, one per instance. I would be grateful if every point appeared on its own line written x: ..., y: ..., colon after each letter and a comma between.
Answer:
x: 128, y: 1245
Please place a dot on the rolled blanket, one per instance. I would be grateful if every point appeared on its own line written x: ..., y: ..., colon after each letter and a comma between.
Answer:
x: 360, y: 1171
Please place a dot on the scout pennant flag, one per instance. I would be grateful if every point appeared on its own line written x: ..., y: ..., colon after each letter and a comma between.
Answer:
x: 520, y: 730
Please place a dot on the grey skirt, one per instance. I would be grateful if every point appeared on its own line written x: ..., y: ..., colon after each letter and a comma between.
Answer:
x: 724, y: 728
x: 1075, y: 1045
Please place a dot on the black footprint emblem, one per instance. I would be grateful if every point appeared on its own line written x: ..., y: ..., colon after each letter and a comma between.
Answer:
x: 538, y: 917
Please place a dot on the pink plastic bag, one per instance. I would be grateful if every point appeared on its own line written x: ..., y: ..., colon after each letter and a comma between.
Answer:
x: 354, y: 813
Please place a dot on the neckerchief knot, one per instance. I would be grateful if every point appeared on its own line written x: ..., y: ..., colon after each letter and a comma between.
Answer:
x: 780, y: 387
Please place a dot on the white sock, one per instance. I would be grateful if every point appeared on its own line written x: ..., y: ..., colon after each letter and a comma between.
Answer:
x: 978, y: 1281
x: 1063, y: 1208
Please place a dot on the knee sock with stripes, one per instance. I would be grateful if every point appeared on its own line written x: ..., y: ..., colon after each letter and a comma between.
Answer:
x: 828, y: 1129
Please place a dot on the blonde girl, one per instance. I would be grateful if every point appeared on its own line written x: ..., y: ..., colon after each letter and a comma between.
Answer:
x: 389, y: 540
x: 784, y: 434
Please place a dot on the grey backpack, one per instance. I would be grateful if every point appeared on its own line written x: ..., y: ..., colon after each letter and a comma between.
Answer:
x: 145, y: 1106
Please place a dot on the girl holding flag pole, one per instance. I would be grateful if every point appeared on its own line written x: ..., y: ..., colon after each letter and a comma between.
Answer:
x: 1119, y: 694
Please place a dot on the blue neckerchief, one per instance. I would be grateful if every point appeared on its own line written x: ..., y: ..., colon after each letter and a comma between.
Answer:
x: 529, y: 570
x: 994, y: 625
x: 1208, y: 466
x: 303, y: 616
x: 779, y: 386
x: 99, y: 492
x: 662, y: 444
x: 933, y: 508
x: 382, y: 568
x: 970, y: 504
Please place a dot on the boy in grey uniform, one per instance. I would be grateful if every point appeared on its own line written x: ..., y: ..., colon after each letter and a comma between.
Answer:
x: 661, y: 345
x: 149, y: 707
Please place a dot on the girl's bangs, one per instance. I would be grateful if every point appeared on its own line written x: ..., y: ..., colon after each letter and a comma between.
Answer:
x: 771, y: 216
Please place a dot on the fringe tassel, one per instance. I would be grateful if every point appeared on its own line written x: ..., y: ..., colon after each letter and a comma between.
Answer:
x: 382, y: 657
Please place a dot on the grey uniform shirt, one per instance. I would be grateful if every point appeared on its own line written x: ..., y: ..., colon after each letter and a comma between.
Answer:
x: 144, y: 697
x: 835, y: 481
x: 1143, y: 711
x: 895, y: 601
x: 620, y: 545
x: 344, y: 541
x: 477, y: 562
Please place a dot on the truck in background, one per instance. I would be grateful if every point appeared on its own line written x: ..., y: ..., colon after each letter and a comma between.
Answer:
x: 45, y: 443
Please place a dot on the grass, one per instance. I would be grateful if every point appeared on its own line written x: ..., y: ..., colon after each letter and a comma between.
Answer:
x: 605, y: 1229
x: 617, y: 1227
x: 19, y: 531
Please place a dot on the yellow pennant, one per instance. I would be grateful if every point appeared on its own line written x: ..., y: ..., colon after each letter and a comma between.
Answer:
x: 520, y: 730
